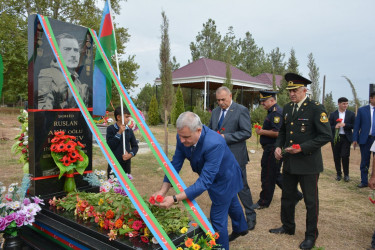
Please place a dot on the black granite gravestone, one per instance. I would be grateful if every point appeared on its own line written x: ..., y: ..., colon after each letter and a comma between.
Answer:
x: 51, y: 105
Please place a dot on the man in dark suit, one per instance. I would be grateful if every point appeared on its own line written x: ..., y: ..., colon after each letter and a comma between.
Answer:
x: 232, y: 121
x: 219, y: 174
x: 304, y: 131
x: 341, y: 145
x: 364, y: 135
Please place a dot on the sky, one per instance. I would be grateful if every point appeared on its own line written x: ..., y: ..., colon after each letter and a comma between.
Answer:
x: 339, y: 33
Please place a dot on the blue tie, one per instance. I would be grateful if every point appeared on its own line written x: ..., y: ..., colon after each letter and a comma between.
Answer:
x: 221, y: 119
x: 373, y: 122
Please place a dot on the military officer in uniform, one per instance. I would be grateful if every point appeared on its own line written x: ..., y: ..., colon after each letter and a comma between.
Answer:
x: 270, y: 174
x: 304, y: 131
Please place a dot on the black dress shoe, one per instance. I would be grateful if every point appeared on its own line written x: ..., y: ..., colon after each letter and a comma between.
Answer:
x: 361, y: 185
x: 251, y: 224
x: 281, y: 230
x: 338, y: 178
x: 346, y: 178
x: 307, y: 244
x: 235, y: 235
x: 257, y: 206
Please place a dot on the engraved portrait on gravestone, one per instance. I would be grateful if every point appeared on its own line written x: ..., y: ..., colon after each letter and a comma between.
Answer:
x: 53, y: 91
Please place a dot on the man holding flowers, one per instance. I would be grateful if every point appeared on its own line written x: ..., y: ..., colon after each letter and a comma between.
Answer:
x: 219, y: 174
x: 306, y: 126
x: 232, y: 121
x: 342, y: 122
x: 270, y: 174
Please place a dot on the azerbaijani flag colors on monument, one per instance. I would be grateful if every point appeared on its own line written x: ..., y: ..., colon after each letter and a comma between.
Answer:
x: 102, y: 79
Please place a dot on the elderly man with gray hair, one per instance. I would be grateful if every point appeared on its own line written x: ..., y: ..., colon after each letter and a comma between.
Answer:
x: 219, y: 174
x: 232, y: 121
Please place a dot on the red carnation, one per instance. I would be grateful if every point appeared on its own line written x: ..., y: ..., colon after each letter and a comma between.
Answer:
x: 137, y: 225
x: 66, y: 160
x: 59, y: 133
x: 56, y: 140
x: 339, y: 120
x: 109, y: 214
x: 70, y: 146
x: 21, y: 144
x: 74, y: 154
x: 159, y: 198
x: 144, y: 239
x: 296, y: 146
x: 61, y: 147
x: 152, y: 200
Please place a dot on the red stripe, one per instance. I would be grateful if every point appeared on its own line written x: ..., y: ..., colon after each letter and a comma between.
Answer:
x: 57, y: 110
x: 159, y: 154
x: 91, y: 125
x: 127, y: 186
x: 65, y: 242
x: 56, y: 175
x: 107, y: 29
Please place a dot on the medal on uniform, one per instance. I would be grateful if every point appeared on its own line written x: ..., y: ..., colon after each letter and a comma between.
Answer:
x: 303, y: 128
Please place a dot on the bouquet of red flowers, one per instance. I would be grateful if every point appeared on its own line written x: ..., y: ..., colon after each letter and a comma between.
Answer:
x: 68, y: 156
x: 257, y: 126
x: 337, y: 130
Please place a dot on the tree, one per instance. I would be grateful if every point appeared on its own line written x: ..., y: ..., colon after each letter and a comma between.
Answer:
x: 153, y: 113
x: 165, y: 67
x: 356, y: 100
x: 175, y: 64
x: 208, y: 43
x: 276, y: 59
x: 292, y: 65
x: 144, y: 97
x: 228, y: 73
x: 329, y: 104
x: 314, y: 77
x: 252, y: 57
x: 14, y: 25
x: 178, y: 107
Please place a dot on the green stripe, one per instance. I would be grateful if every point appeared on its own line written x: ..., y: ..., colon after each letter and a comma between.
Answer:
x: 148, y: 142
x: 50, y: 237
x: 89, y: 117
x: 109, y: 45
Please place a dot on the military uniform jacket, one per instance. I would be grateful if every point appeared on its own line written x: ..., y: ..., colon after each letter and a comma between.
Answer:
x: 272, y: 122
x: 311, y: 130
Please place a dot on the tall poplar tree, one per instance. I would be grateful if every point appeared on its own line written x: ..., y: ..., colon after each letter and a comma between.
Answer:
x: 314, y: 77
x: 165, y: 67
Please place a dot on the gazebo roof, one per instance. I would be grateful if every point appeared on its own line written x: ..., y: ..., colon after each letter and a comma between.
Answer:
x: 208, y: 70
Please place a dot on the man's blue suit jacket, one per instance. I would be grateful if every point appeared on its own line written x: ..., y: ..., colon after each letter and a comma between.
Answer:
x: 362, y: 125
x: 218, y: 170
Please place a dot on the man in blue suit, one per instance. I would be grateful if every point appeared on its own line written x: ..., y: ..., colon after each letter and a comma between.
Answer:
x: 364, y: 135
x: 341, y: 147
x: 219, y: 174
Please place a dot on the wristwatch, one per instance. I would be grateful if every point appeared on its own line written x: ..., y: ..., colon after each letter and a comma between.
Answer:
x: 175, y: 199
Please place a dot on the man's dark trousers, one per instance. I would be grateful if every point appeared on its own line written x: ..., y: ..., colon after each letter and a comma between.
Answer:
x: 341, y: 154
x: 270, y: 175
x: 309, y: 186
x: 246, y: 198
